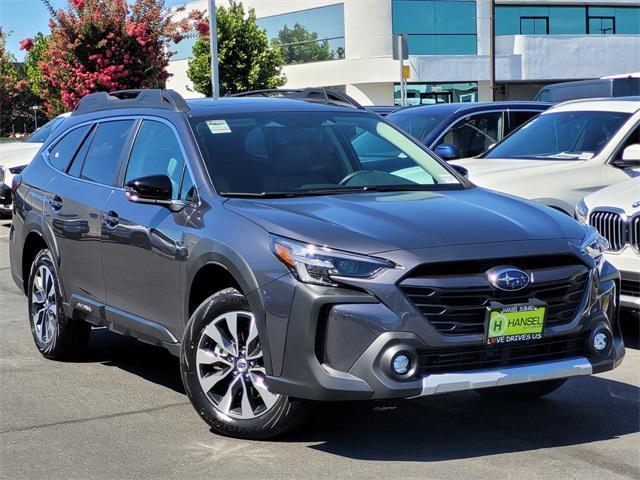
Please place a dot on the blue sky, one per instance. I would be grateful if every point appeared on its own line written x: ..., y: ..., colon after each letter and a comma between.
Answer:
x: 25, y: 18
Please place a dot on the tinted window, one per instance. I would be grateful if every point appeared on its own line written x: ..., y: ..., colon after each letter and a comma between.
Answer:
x: 41, y: 135
x: 313, y: 151
x: 418, y: 126
x: 78, y: 160
x: 106, y: 147
x: 474, y: 134
x: 561, y: 136
x: 156, y: 151
x: 517, y: 118
x: 63, y: 151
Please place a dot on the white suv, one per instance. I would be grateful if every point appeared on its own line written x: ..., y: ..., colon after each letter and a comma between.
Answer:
x: 15, y: 156
x: 615, y: 212
x: 564, y: 153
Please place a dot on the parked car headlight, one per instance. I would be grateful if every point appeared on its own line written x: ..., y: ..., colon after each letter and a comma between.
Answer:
x: 317, y: 265
x: 582, y: 211
x: 594, y: 245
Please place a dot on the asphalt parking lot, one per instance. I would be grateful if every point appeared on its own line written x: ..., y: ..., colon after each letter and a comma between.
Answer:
x: 119, y: 412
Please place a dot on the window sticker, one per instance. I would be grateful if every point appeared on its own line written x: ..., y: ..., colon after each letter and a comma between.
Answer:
x: 218, y: 126
x: 586, y: 156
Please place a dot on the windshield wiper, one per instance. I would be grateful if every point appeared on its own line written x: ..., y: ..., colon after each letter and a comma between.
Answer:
x: 334, y: 191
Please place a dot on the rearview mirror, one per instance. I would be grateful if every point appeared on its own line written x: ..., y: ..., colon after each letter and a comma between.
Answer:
x: 630, y: 157
x: 447, y: 152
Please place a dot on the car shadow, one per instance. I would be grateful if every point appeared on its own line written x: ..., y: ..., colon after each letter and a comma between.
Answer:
x: 154, y: 364
x: 467, y: 425
x: 429, y: 429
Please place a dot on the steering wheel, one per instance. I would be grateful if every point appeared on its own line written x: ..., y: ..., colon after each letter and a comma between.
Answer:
x: 348, y: 178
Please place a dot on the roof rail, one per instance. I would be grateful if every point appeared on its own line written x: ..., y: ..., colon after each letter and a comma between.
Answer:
x: 315, y: 95
x: 155, y: 98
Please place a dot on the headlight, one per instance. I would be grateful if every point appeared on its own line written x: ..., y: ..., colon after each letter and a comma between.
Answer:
x: 594, y: 245
x: 582, y: 211
x: 315, y: 264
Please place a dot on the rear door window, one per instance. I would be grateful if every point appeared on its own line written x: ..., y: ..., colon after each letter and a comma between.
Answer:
x: 63, y: 151
x: 101, y: 163
x: 517, y: 118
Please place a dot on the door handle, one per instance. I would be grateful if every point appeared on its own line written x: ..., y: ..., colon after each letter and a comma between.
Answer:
x: 55, y: 203
x: 111, y: 218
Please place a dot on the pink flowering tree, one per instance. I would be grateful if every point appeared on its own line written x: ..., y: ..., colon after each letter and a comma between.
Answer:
x: 107, y: 45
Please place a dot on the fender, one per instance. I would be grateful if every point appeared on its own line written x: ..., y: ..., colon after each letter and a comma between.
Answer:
x: 210, y: 252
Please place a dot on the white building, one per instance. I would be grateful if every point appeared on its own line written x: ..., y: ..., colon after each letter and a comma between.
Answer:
x: 537, y: 42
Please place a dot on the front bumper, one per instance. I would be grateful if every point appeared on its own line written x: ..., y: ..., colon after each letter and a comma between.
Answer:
x: 361, y: 334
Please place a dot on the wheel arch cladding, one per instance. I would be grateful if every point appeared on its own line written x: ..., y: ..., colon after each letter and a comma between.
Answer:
x: 34, y: 243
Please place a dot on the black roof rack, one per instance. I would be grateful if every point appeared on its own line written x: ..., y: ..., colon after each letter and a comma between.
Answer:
x: 316, y: 95
x: 155, y: 98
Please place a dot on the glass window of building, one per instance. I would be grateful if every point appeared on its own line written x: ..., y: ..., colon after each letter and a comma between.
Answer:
x: 431, y: 93
x: 437, y: 27
x: 566, y: 20
x: 184, y: 48
x: 304, y: 36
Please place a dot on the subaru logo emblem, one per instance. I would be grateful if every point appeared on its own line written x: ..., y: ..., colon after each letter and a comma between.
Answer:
x: 508, y: 278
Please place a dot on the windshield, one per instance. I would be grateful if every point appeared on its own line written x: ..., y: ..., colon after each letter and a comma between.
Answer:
x: 418, y: 126
x: 306, y: 153
x: 41, y: 134
x: 576, y: 135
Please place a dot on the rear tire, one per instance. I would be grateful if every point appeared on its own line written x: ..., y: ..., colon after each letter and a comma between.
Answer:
x: 56, y: 336
x: 223, y: 372
x: 523, y: 391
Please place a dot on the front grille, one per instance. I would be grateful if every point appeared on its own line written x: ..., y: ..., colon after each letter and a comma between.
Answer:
x: 630, y: 287
x: 612, y: 226
x: 457, y: 305
x: 479, y: 357
x: 634, y: 232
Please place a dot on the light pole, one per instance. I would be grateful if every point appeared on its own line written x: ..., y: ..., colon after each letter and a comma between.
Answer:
x: 35, y: 116
x: 213, y: 49
x: 492, y: 49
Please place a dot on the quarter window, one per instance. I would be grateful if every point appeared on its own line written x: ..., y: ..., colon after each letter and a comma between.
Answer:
x: 63, y: 151
x: 104, y: 153
x: 156, y: 151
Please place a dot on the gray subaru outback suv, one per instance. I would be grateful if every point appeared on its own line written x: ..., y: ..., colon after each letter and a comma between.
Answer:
x: 296, y: 251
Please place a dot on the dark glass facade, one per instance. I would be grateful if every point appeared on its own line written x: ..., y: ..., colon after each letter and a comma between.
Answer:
x: 437, y: 27
x: 566, y: 20
x: 304, y: 36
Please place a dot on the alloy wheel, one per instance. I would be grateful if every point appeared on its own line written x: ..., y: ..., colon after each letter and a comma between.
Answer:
x: 44, y: 305
x: 230, y: 366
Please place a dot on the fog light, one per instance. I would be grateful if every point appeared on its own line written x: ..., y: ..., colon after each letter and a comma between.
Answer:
x: 401, y: 364
x: 600, y: 341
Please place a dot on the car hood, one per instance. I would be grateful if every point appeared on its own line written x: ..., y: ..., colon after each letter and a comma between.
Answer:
x: 378, y: 222
x: 488, y: 172
x: 15, y: 154
x: 624, y: 195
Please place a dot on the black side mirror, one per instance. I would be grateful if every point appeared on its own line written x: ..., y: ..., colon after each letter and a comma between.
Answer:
x: 151, y: 189
x: 447, y: 152
x: 461, y: 170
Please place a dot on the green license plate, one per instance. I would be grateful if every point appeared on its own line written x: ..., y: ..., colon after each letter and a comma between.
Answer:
x: 515, y: 323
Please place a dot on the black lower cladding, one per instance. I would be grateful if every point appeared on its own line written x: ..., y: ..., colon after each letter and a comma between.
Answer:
x: 456, y: 304
x: 479, y: 357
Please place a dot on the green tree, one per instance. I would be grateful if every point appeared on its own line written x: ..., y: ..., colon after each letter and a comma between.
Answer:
x: 36, y: 56
x: 299, y: 45
x: 246, y: 61
x: 16, y: 98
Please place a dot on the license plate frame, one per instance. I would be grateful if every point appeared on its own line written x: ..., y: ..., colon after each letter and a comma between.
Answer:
x: 508, y: 324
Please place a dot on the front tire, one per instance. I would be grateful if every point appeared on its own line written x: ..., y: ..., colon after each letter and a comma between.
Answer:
x: 56, y: 336
x: 523, y: 391
x: 223, y: 372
